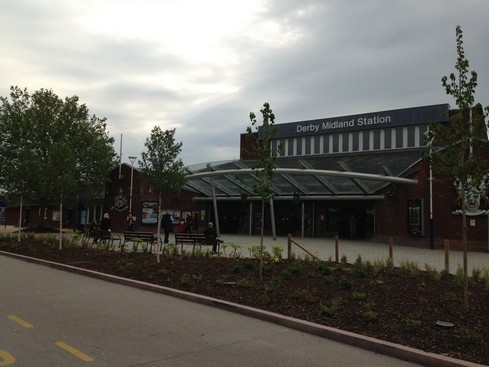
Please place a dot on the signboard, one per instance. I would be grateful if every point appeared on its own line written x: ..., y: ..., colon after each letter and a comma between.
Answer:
x: 366, y: 121
x: 149, y: 212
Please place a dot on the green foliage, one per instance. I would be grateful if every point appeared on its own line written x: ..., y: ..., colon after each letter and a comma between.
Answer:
x: 244, y: 283
x: 359, y: 296
x: 277, y: 253
x: 410, y: 268
x: 345, y: 282
x: 330, y: 309
x: 412, y: 323
x: 457, y: 151
x: 324, y: 269
x: 303, y: 295
x: 452, y: 144
x: 370, y: 316
x: 161, y: 168
x: 160, y: 165
x: 235, y: 254
x: 52, y: 149
x: 258, y: 146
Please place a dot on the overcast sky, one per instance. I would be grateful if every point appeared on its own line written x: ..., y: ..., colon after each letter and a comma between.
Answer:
x: 202, y: 66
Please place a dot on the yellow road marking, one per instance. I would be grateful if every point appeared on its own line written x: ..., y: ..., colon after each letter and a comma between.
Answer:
x: 20, y: 321
x: 6, y: 358
x: 74, y: 351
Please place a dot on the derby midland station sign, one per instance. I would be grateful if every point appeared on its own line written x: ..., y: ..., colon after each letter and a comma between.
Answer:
x: 366, y: 121
x: 339, y: 124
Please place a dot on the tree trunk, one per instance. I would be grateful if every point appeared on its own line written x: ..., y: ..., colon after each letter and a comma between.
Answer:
x: 464, y: 243
x: 158, y: 225
x: 262, y: 230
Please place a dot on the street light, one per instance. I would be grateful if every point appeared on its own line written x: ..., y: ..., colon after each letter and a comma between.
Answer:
x: 132, y: 159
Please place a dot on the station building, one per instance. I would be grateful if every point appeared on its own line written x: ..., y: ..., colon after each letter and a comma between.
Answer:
x: 368, y: 166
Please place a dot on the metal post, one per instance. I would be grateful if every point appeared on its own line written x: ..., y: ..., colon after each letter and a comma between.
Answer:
x: 132, y: 159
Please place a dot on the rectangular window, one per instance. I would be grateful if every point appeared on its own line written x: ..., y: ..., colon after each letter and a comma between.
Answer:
x: 388, y: 139
x: 290, y: 150
x: 346, y: 142
x: 318, y: 144
x: 355, y: 142
x: 336, y: 143
x: 282, y: 148
x: 415, y: 217
x: 300, y: 144
x: 366, y: 140
x: 399, y: 137
x: 376, y: 139
x: 326, y: 143
x: 308, y: 144
x: 422, y: 131
x: 411, y: 138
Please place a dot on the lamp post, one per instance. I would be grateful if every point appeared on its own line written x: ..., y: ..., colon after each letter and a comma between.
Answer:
x: 132, y: 159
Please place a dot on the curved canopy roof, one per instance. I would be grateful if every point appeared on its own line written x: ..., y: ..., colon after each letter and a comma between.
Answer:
x: 352, y: 175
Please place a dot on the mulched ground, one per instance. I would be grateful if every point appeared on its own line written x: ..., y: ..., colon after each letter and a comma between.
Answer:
x: 397, y: 305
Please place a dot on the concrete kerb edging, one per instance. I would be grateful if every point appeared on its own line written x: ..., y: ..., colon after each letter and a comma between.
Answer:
x: 372, y: 344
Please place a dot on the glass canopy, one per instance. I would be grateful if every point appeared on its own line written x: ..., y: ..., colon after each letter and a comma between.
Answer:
x: 350, y: 174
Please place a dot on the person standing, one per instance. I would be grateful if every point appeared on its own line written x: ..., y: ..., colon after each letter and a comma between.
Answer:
x: 195, y: 223
x: 105, y: 223
x: 188, y: 223
x: 352, y: 222
x: 211, y: 236
x: 167, y: 225
x: 130, y: 222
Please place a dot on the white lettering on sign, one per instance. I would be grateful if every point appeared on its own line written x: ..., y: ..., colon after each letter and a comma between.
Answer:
x: 308, y: 128
x: 373, y: 120
x: 355, y: 122
x: 338, y: 124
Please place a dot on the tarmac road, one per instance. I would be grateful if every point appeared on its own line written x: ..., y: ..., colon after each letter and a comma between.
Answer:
x: 52, y: 318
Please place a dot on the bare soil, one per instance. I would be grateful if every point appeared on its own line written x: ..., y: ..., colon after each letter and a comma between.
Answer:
x: 399, y: 305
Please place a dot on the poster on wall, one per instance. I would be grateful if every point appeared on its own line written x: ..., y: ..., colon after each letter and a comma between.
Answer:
x: 149, y: 212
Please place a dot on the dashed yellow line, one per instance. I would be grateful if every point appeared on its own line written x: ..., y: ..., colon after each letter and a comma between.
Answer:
x: 20, y: 321
x: 75, y: 352
x: 6, y: 358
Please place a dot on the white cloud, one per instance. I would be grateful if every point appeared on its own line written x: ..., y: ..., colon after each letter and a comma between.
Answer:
x: 201, y: 67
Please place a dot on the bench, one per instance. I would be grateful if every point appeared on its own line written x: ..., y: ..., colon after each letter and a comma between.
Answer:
x: 141, y: 237
x: 104, y: 237
x: 195, y: 239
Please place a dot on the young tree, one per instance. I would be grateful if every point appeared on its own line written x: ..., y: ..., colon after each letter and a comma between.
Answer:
x: 260, y: 147
x: 161, y: 168
x: 458, y: 150
x: 52, y: 148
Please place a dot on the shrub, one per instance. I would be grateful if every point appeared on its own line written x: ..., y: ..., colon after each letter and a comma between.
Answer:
x: 330, y: 309
x: 359, y: 296
x: 345, y: 282
x: 244, y: 283
x: 304, y: 296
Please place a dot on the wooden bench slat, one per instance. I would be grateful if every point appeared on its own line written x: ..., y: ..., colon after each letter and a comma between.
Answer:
x: 195, y: 239
x: 135, y: 237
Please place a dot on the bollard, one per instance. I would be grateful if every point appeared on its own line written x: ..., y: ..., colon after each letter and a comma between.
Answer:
x: 289, y: 245
x: 336, y: 249
x: 447, y: 257
x: 391, y: 246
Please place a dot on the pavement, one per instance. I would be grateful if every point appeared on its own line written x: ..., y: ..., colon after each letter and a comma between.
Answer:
x: 325, y: 249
